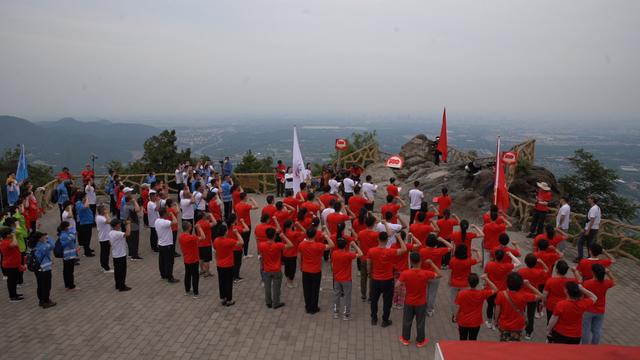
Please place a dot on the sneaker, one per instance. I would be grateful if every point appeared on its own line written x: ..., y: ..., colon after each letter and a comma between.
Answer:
x: 404, y: 341
x: 248, y: 256
x: 187, y: 293
x: 48, y: 305
x: 240, y: 279
x: 173, y: 281
x: 336, y: 315
x: 422, y: 343
x: 374, y: 322
x: 195, y: 296
x: 138, y: 258
x: 386, y: 323
x: 430, y: 313
x: 289, y: 285
x: 4, y: 277
x: 488, y: 324
x: 346, y: 317
x: 16, y: 299
x: 527, y: 336
x: 278, y: 305
x: 538, y: 315
x: 176, y: 255
x: 126, y: 288
x: 110, y: 271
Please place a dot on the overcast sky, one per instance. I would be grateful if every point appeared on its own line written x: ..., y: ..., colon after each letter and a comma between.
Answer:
x: 135, y: 59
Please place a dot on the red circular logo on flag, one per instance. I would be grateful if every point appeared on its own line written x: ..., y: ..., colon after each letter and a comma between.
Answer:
x: 395, y: 162
x: 342, y: 144
x: 509, y: 157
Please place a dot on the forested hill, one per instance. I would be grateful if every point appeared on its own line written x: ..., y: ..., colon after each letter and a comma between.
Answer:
x: 69, y: 142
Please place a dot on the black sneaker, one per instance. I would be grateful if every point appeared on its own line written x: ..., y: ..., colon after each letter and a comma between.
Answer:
x: 16, y: 299
x: 48, y: 305
x: 269, y: 306
x: 386, y: 323
x: 374, y: 322
x: 126, y: 288
x: 278, y: 305
x: 173, y: 280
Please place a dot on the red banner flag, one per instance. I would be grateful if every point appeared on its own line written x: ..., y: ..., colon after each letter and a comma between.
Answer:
x: 500, y: 191
x: 442, y: 143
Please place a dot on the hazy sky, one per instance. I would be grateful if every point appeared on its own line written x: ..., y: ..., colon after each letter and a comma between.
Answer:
x: 134, y: 59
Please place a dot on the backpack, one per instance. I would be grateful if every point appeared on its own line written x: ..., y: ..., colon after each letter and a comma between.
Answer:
x: 33, y: 263
x: 58, y: 251
x: 54, y: 196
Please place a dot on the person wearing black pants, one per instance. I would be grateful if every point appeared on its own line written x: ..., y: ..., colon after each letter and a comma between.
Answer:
x: 237, y: 264
x: 190, y: 250
x: 12, y: 283
x: 290, y: 264
x: 242, y: 229
x: 118, y: 242
x: 491, y: 305
x: 165, y: 262
x: 84, y: 238
x: 105, y: 248
x: 191, y: 277
x: 131, y: 212
x: 468, y: 333
x: 224, y: 246
x: 67, y: 273
x: 43, y: 279
x: 381, y: 270
x: 311, y: 290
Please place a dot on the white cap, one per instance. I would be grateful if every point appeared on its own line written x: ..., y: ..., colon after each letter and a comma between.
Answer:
x: 127, y: 189
x: 152, y: 192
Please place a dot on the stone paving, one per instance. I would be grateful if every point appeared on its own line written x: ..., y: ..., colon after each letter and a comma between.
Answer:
x: 156, y: 321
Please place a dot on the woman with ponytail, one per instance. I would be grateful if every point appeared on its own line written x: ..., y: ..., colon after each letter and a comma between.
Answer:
x: 464, y: 236
x: 593, y: 318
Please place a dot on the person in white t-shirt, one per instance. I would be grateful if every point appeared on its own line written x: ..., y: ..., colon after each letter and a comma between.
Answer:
x: 118, y: 241
x: 165, y: 244
x: 590, y: 233
x: 152, y: 214
x: 199, y: 199
x: 385, y: 225
x: 103, y: 225
x: 67, y: 215
x: 564, y: 215
x: 369, y: 191
x: 347, y: 184
x: 415, y: 201
x: 90, y: 190
x: 334, y: 186
x: 186, y: 206
x: 179, y: 175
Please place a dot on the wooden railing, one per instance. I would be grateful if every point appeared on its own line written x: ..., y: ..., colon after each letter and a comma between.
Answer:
x: 617, y: 237
x: 362, y: 157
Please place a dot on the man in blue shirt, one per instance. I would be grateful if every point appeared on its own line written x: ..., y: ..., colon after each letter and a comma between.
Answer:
x: 63, y: 195
x: 227, y: 183
x: 227, y: 167
x: 85, y: 222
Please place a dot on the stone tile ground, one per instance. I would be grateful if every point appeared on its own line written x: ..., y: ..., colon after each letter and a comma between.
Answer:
x: 155, y: 320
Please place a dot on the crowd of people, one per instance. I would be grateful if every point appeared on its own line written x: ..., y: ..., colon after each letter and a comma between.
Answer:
x: 491, y: 280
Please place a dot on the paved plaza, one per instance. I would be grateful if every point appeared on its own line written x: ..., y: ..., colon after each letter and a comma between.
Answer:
x: 156, y: 321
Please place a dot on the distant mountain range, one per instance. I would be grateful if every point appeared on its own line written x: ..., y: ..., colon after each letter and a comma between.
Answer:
x: 69, y: 142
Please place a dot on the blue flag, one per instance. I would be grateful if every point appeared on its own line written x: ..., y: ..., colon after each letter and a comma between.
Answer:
x: 22, y: 173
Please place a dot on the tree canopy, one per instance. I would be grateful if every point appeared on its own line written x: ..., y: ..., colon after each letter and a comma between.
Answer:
x: 251, y: 164
x: 590, y: 177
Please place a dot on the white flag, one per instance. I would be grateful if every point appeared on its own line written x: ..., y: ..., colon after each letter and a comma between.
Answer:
x: 297, y: 163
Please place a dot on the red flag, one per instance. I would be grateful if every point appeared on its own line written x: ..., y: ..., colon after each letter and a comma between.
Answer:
x: 500, y: 191
x: 442, y: 144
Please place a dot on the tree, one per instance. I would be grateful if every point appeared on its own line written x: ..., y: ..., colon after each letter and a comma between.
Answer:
x: 592, y: 178
x: 38, y: 174
x: 358, y: 141
x: 251, y: 164
x: 161, y: 153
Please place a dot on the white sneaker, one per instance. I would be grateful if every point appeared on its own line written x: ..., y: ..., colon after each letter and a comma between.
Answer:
x: 538, y: 315
x: 488, y: 324
x: 430, y: 313
x: 110, y: 271
x: 248, y: 256
x: 527, y: 336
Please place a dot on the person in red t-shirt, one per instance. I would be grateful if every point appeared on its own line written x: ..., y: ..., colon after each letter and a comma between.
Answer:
x: 554, y: 286
x: 243, y: 210
x: 233, y: 223
x: 393, y: 206
x: 295, y: 233
x: 357, y: 201
x: 402, y: 264
x: 541, y: 209
x: 224, y: 246
x: 445, y: 229
x: 392, y: 189
x: 189, y: 245
x: 584, y: 266
x: 497, y: 271
x: 282, y: 214
x: 341, y: 263
x: 272, y: 264
x: 337, y: 217
x: 312, y: 206
x: 435, y: 254
x: 491, y: 232
x: 486, y: 217
x: 326, y: 196
x: 416, y: 281
x: 269, y: 209
x: 510, y: 306
x: 469, y: 302
x: 536, y: 277
x: 594, y: 316
x: 504, y: 240
x: 548, y: 254
x: 421, y: 228
x: 311, y: 265
x: 87, y: 174
x: 281, y: 169
x: 367, y: 239
x: 555, y: 237
x: 11, y: 262
x: 380, y: 265
x: 464, y: 236
x: 65, y: 175
x: 565, y: 326
x: 205, y: 222
x: 444, y: 202
x: 460, y: 265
